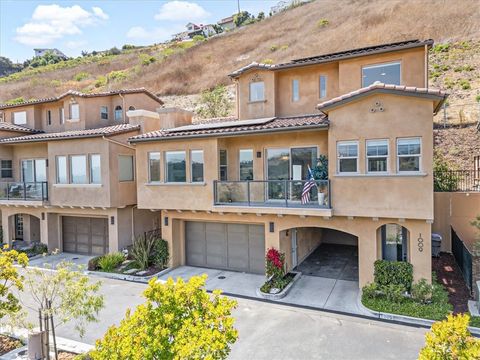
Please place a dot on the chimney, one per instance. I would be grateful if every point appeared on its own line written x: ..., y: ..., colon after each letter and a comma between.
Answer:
x: 163, y: 118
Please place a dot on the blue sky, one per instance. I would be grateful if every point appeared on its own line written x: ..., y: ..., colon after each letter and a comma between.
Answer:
x: 73, y: 26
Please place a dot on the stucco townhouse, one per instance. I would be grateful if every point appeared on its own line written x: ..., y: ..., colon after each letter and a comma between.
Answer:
x: 226, y: 190
x: 68, y: 172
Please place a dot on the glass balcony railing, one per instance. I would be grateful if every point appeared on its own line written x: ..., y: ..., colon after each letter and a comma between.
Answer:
x: 31, y: 191
x: 273, y: 193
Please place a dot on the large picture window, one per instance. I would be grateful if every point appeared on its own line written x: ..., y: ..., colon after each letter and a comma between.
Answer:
x: 197, y: 163
x: 175, y: 166
x: 246, y: 164
x: 78, y: 169
x: 125, y: 168
x: 347, y: 156
x: 257, y: 91
x: 408, y: 155
x: 377, y: 156
x: 154, y: 166
x: 384, y: 73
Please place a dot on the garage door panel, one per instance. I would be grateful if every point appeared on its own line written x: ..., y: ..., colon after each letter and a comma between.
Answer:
x: 195, y: 243
x: 85, y: 235
x: 216, y: 245
x: 238, y: 247
x: 257, y: 248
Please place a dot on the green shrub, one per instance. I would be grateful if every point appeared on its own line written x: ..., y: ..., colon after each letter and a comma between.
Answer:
x: 267, y: 61
x: 146, y: 59
x: 444, y: 179
x: 441, y: 48
x: 273, y: 48
x: 449, y: 83
x: 322, y: 23
x: 450, y: 339
x: 393, y: 272
x: 394, y: 292
x: 101, y: 81
x: 119, y: 75
x: 371, y: 291
x: 422, y: 291
x: 17, y: 100
x: 109, y: 262
x: 142, y: 250
x: 214, y: 103
x: 93, y: 263
x: 475, y: 321
x: 198, y: 38
x: 464, y: 84
x: 55, y: 83
x: 284, y: 47
x: 160, y: 254
x: 81, y: 76
x: 128, y: 47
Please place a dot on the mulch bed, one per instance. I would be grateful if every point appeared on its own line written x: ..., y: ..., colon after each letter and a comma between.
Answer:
x: 450, y: 276
x: 8, y: 344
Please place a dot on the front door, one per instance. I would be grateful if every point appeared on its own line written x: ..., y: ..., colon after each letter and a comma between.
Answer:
x: 19, y: 227
x: 294, y: 248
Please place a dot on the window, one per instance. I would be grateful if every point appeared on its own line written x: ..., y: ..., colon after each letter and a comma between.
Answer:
x: 61, y: 115
x: 61, y: 164
x: 154, y: 166
x: 34, y: 170
x: 347, y: 155
x: 2, y: 117
x: 104, y: 112
x: 377, y: 156
x: 78, y: 169
x: 408, y: 155
x: 223, y: 170
x: 246, y: 164
x: 295, y: 90
x: 118, y: 113
x: 323, y: 86
x: 394, y: 242
x: 74, y: 112
x: 384, y: 73
x: 125, y: 168
x: 131, y: 107
x: 176, y: 169
x: 95, y: 169
x: 49, y: 117
x: 257, y: 91
x: 6, y: 169
x: 20, y: 118
x: 196, y: 160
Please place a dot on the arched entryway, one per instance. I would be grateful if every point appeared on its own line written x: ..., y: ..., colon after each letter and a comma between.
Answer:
x: 392, y: 242
x: 24, y: 229
x: 322, y: 252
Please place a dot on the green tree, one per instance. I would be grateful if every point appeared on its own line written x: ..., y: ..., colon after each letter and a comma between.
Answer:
x: 260, y: 16
x: 450, y: 340
x: 10, y: 280
x: 180, y: 320
x: 444, y: 178
x: 46, y: 59
x: 214, y: 103
x: 243, y: 18
x: 7, y: 67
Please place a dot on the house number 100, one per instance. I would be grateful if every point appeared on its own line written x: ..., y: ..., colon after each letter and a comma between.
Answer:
x: 420, y: 243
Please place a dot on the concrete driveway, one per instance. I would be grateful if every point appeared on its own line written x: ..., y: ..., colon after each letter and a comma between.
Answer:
x: 51, y: 261
x: 276, y: 331
x: 319, y: 292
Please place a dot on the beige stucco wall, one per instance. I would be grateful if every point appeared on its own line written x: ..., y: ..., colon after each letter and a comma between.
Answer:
x: 456, y: 210
x: 258, y: 109
x: 391, y: 195
x: 24, y: 152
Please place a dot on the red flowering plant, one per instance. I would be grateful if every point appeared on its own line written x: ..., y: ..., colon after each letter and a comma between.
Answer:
x: 275, y: 264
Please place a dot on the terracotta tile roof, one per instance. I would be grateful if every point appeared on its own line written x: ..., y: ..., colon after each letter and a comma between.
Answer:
x: 84, y: 95
x: 237, y: 127
x: 386, y: 89
x: 74, y: 134
x: 377, y: 49
x: 5, y: 126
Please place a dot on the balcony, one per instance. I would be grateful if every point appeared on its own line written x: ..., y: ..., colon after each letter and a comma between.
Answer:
x: 24, y: 191
x: 271, y: 193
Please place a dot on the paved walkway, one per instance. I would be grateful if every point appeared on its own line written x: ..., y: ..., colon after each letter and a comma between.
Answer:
x: 318, y: 292
x: 276, y: 331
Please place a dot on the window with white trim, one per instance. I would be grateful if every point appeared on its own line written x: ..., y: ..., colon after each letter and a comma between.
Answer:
x: 78, y: 169
x: 20, y: 118
x: 323, y: 86
x: 385, y: 73
x: 176, y: 170
x: 196, y: 165
x: 95, y: 169
x: 295, y: 90
x: 74, y: 112
x: 347, y: 157
x: 62, y: 174
x: 6, y: 169
x: 104, y: 112
x: 409, y: 153
x: 118, y: 113
x: 377, y: 156
x: 257, y: 91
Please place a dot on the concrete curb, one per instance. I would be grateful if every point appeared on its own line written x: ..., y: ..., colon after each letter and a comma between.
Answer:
x: 132, y: 278
x: 284, y: 292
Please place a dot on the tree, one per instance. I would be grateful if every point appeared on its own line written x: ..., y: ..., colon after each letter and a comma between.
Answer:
x: 214, y: 103
x: 7, y: 67
x: 64, y: 294
x: 46, y: 59
x: 444, y: 178
x: 218, y: 29
x: 243, y: 18
x: 10, y: 280
x: 260, y: 16
x: 180, y: 320
x: 450, y: 339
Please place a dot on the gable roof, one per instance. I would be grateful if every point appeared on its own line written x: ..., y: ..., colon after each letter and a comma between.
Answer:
x: 85, y: 95
x: 434, y: 94
x: 233, y: 127
x: 5, y: 126
x: 341, y: 55
x: 73, y: 134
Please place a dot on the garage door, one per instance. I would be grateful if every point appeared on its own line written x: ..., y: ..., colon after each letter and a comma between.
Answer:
x: 237, y: 247
x: 84, y: 235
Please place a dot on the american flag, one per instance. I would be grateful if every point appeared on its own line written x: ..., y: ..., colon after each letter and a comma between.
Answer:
x: 309, y: 184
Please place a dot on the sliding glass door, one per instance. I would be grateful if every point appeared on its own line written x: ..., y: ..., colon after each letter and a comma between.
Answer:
x: 302, y: 159
x: 34, y: 170
x: 278, y: 163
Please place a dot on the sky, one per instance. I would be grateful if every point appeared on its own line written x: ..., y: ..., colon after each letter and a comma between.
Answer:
x: 73, y: 26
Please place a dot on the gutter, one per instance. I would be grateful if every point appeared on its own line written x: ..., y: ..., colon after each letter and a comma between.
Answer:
x: 117, y: 143
x: 221, y: 135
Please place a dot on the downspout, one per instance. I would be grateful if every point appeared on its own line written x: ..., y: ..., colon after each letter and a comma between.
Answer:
x: 133, y: 222
x: 118, y: 143
x: 124, y: 112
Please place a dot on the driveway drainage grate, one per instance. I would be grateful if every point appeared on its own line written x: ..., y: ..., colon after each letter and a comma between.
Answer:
x: 75, y: 258
x: 221, y: 277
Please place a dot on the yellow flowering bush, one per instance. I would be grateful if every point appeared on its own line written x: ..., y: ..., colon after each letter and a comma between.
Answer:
x: 450, y: 340
x: 10, y: 279
x: 180, y: 320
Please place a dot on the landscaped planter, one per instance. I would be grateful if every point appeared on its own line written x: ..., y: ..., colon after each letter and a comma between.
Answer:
x: 129, y: 277
x: 284, y: 292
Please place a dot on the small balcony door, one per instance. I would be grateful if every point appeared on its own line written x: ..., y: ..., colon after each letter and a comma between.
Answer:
x: 34, y: 170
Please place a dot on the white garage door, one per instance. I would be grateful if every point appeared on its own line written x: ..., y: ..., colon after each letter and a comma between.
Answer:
x: 239, y: 247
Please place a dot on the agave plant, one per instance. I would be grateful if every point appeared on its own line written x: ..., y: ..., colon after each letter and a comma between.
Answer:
x: 142, y: 250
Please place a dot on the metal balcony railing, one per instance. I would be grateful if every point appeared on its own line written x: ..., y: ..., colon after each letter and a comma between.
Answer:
x: 31, y: 191
x: 457, y: 180
x: 271, y: 193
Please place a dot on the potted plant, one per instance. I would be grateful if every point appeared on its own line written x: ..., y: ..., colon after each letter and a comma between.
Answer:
x: 320, y: 172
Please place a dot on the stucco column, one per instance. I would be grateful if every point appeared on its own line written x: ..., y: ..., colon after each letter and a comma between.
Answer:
x: 174, y: 235
x: 113, y: 232
x: 272, y: 239
x: 27, y: 231
x: 367, y: 254
x: 420, y: 249
x: 6, y: 227
x: 44, y: 238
